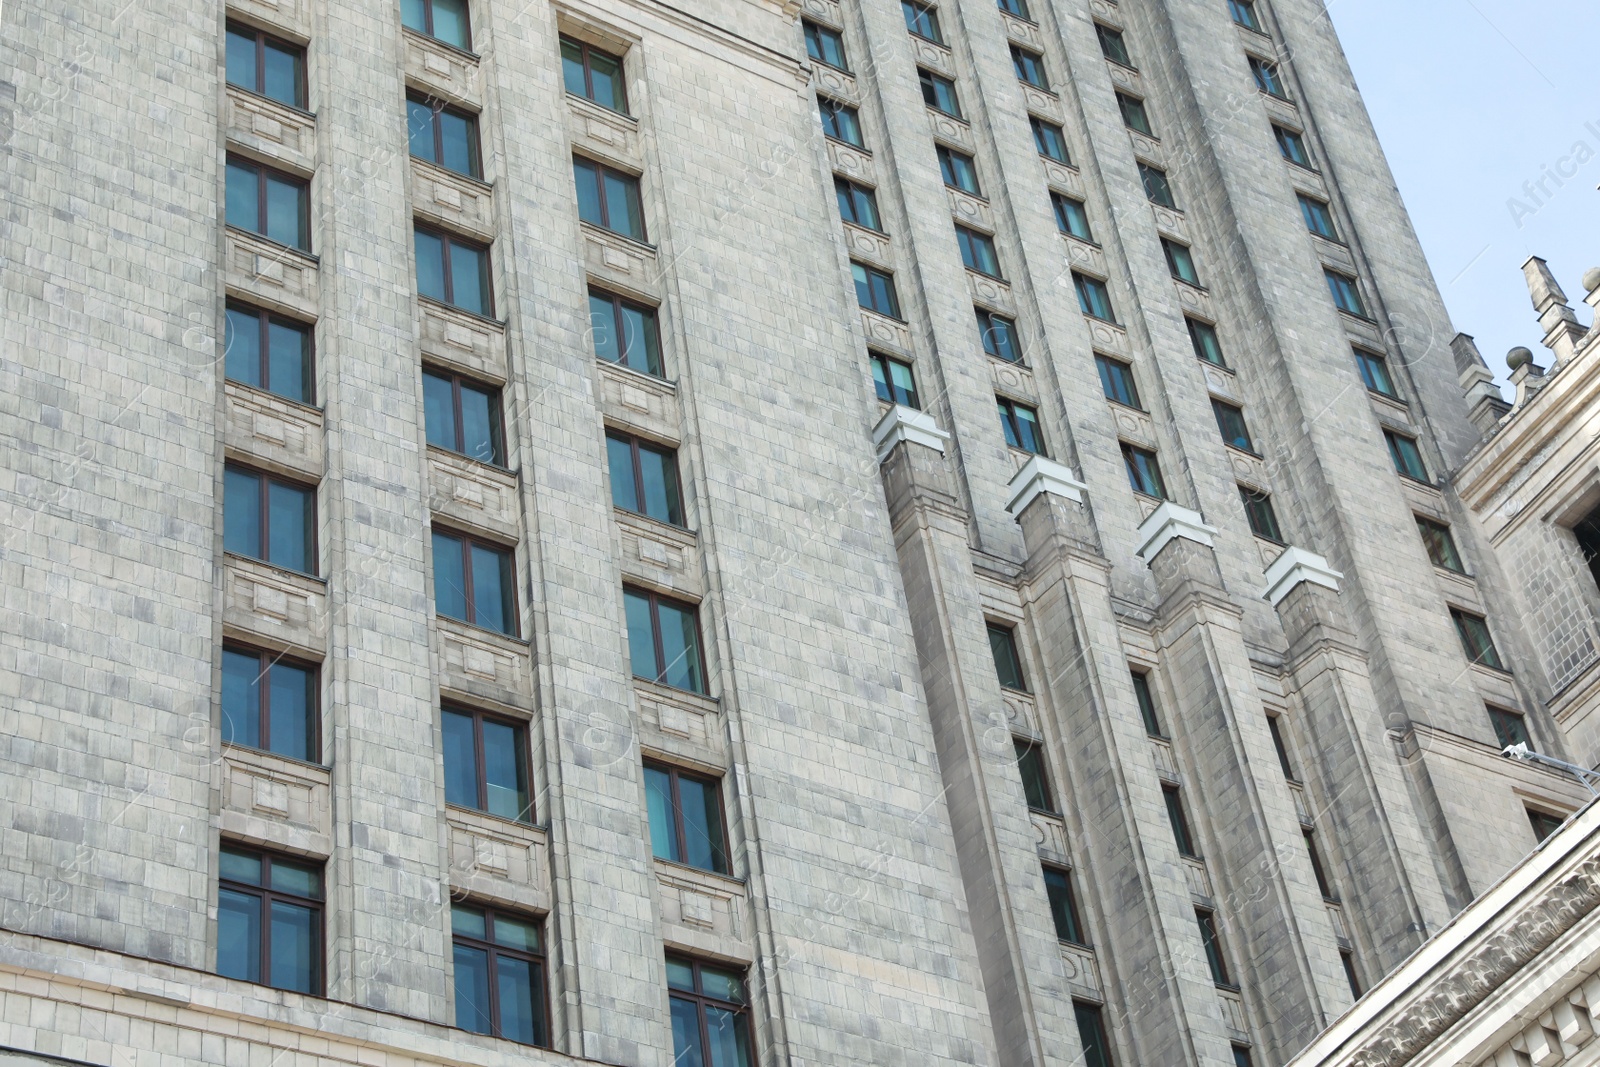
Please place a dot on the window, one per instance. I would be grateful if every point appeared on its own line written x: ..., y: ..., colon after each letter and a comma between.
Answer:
x: 270, y: 203
x: 1049, y: 140
x: 1134, y: 115
x: 1476, y: 640
x: 1544, y: 824
x: 1035, y: 778
x: 268, y: 351
x: 269, y: 519
x: 454, y: 272
x: 1113, y: 46
x: 1230, y: 420
x: 1347, y: 958
x: 443, y: 135
x: 1093, y: 298
x: 463, y: 416
x: 1259, y: 511
x: 269, y: 920
x: 1071, y: 216
x: 1029, y: 67
x: 939, y: 93
x: 1203, y: 336
x: 999, y: 335
x: 1007, y: 660
x: 1275, y: 727
x: 685, y: 818
x: 1144, y: 472
x: 262, y: 64
x: 1319, y: 217
x: 824, y: 44
x: 857, y: 204
x: 1156, y: 186
x: 921, y: 20
x: 1587, y: 534
x: 1346, y: 293
x: 486, y: 764
x: 875, y: 290
x: 1116, y: 381
x: 1018, y: 8
x: 474, y: 582
x: 1244, y: 13
x: 1267, y: 77
x: 1063, y: 905
x: 1092, y: 1034
x: 1241, y: 1057
x: 958, y: 170
x: 1179, y: 821
x: 443, y: 19
x: 1406, y: 455
x: 269, y: 702
x: 977, y: 251
x: 644, y: 478
x: 1323, y: 885
x: 625, y: 332
x: 1375, y: 373
x: 1293, y: 146
x: 894, y: 380
x: 710, y: 1023
x: 664, y: 640
x: 1180, y: 261
x: 1211, y: 941
x: 1509, y: 728
x: 499, y: 973
x: 594, y: 75
x: 608, y: 198
x: 1021, y: 424
x: 1147, y: 704
x: 1440, y: 545
x: 840, y: 121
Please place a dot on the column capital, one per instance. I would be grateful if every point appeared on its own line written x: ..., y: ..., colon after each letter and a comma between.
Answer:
x: 1170, y: 521
x: 1294, y: 566
x: 1037, y: 477
x: 901, y: 423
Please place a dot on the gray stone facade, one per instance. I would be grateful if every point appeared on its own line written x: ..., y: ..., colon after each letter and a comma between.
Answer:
x: 847, y: 557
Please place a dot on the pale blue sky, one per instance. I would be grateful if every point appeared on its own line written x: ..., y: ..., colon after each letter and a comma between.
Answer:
x: 1472, y: 99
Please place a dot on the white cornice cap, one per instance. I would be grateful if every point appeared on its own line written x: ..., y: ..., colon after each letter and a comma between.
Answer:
x: 1296, y: 565
x: 1167, y: 522
x: 907, y: 424
x: 1041, y: 475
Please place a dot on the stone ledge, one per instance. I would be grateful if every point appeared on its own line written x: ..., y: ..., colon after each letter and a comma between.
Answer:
x: 1169, y: 521
x: 903, y: 424
x: 1294, y: 566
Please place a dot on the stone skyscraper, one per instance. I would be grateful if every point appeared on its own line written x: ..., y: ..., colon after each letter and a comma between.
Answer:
x: 478, y: 589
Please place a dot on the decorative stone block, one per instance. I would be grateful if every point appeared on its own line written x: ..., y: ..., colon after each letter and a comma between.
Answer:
x: 1168, y: 521
x: 1039, y: 476
x: 903, y: 424
x: 1294, y: 566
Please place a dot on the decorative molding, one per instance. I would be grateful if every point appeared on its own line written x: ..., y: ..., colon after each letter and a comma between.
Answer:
x: 1296, y: 565
x: 901, y: 423
x: 1169, y: 521
x: 1040, y: 475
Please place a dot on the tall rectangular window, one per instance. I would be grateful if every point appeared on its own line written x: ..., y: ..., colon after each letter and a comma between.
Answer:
x: 1406, y: 455
x: 1275, y: 727
x: 475, y: 582
x: 1113, y: 45
x: 958, y: 170
x: 858, y: 205
x: 1092, y: 1034
x: 644, y: 478
x: 922, y: 20
x: 1048, y: 139
x: 710, y: 1014
x: 1157, y: 188
x: 894, y: 380
x: 1263, y: 518
x: 463, y: 416
x: 443, y: 135
x: 1231, y: 424
x: 1094, y: 299
x: 1346, y: 293
x: 1029, y: 67
x: 1347, y: 958
x: 1021, y: 425
x: 486, y: 763
x: 1134, y: 114
x: 1179, y: 821
x: 978, y: 252
x: 1241, y: 1057
x: 999, y: 336
x: 664, y: 640
x: 1509, y: 728
x: 875, y: 290
x: 1116, y: 381
x: 445, y: 20
x: 266, y: 65
x: 1007, y: 658
x: 267, y: 351
x: 625, y: 332
x: 1180, y: 261
x: 269, y: 702
x: 1035, y: 777
x: 499, y: 975
x: 1244, y: 13
x: 269, y: 202
x: 1211, y: 941
x: 594, y: 75
x: 1318, y: 216
x: 1375, y: 374
x: 1476, y: 641
x: 453, y: 271
x: 1071, y: 216
x: 1440, y: 545
x: 824, y: 44
x: 1203, y: 336
x: 1063, y: 905
x: 1292, y: 144
x: 269, y: 920
x: 686, y: 818
x: 1147, y: 704
x: 840, y: 121
x: 1324, y: 886
x: 1267, y: 77
x: 939, y: 93
x: 1144, y: 471
x: 608, y: 198
x: 267, y: 518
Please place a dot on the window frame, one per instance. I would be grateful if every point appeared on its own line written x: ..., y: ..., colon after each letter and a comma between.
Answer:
x: 1180, y: 262
x: 1318, y: 869
x: 1150, y: 174
x: 1032, y: 752
x: 986, y: 330
x: 1109, y: 368
x: 1366, y: 360
x: 262, y: 171
x: 702, y: 1000
x: 1106, y: 34
x: 1152, y: 462
x: 680, y: 835
x: 827, y: 105
x: 618, y: 302
x: 843, y: 186
x: 976, y: 247
x: 584, y: 51
x: 1066, y: 215
x: 1280, y: 745
x: 1260, y: 514
x: 437, y: 107
x: 1019, y: 9
x: 1025, y: 61
x: 948, y: 158
x: 602, y: 171
x: 876, y: 359
x: 262, y: 38
x: 812, y: 29
x: 636, y: 445
x: 1011, y: 423
x: 1224, y: 411
x: 1090, y: 1016
x: 1145, y: 698
x: 1397, y: 443
x: 514, y: 603
x: 1251, y: 21
x: 1346, y: 292
x: 1318, y: 215
x: 1084, y: 284
x: 874, y: 274
x: 1211, y: 943
x: 1198, y: 328
x: 447, y: 241
x: 1074, y: 935
x: 1008, y: 637
x: 466, y: 18
x: 1488, y: 655
x: 266, y: 480
x: 500, y: 461
x: 655, y: 600
x: 1268, y: 77
x: 479, y: 717
x: 265, y: 319
x: 492, y: 950
x: 931, y: 82
x: 1182, y: 832
x: 267, y: 895
x: 1509, y: 723
x: 1057, y: 133
x: 927, y: 14
x: 1548, y: 822
x: 1347, y: 959
x: 1241, y: 1056
x: 267, y: 660
x: 1437, y: 534
x: 1296, y: 139
x: 1128, y: 104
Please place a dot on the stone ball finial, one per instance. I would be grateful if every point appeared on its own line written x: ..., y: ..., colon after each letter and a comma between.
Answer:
x: 1519, y: 357
x: 1591, y: 279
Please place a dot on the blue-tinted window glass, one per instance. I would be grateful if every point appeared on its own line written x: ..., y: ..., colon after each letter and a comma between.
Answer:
x: 491, y: 589
x: 505, y: 770
x: 439, y: 410
x: 244, y: 197
x: 241, y: 698
x: 290, y: 517
x: 238, y: 935
x: 663, y: 833
x: 680, y: 645
x: 624, y: 488
x: 688, y: 1048
x: 293, y: 709
x: 450, y: 22
x: 641, y: 636
x: 730, y: 1042
x: 242, y: 60
x: 586, y: 175
x: 294, y: 947
x: 460, y: 760
x: 460, y: 139
x: 289, y: 360
x: 472, y: 989
x: 702, y: 825
x: 624, y: 213
x: 660, y: 497
x: 285, y: 211
x: 430, y: 265
x: 241, y: 513
x: 419, y: 127
x: 469, y: 278
x: 280, y: 75
x: 242, y: 347
x: 449, y: 578
x: 521, y: 1000
x: 480, y: 424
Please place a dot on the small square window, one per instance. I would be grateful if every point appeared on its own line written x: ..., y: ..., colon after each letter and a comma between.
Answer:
x: 1116, y: 381
x: 1292, y: 144
x: 1241, y: 1057
x: 1029, y: 67
x: 269, y: 352
x: 1049, y: 140
x: 1375, y: 374
x: 1007, y: 660
x: 1180, y: 261
x: 1258, y: 509
x: 644, y: 478
x: 1346, y: 293
x: 270, y: 519
x: 266, y: 65
x: 1509, y: 728
x: 463, y: 416
x: 475, y: 582
x: 1144, y: 471
x: 1230, y: 421
x: 1544, y: 824
x: 1094, y: 299
x: 939, y: 93
x: 1244, y: 13
x: 999, y: 336
x: 875, y: 290
x: 922, y: 21
x: 594, y: 75
x: 1072, y: 217
x: 1476, y: 641
x: 1267, y: 77
x: 269, y: 202
x: 486, y: 764
x: 444, y: 20
x: 957, y: 169
x: 978, y: 252
x: 686, y: 822
x: 1134, y: 114
x: 1157, y: 189
x: 443, y: 135
x: 608, y: 198
x: 664, y: 640
x: 1203, y: 336
x: 453, y: 271
x: 625, y: 332
x: 840, y: 121
x: 1021, y: 425
x: 1406, y: 455
x: 1319, y: 217
x: 894, y: 380
x: 1113, y: 45
x: 858, y: 205
x: 1018, y: 8
x: 1440, y: 545
x: 825, y: 44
